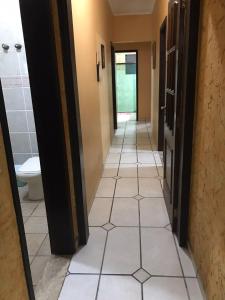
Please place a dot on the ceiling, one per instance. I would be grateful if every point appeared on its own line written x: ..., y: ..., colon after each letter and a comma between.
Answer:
x: 132, y: 7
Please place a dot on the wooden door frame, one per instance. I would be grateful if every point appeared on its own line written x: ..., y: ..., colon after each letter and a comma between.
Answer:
x: 162, y: 73
x: 15, y: 196
x: 70, y: 74
x: 137, y: 78
x: 113, y: 86
x: 187, y: 116
x: 48, y: 115
x: 187, y: 73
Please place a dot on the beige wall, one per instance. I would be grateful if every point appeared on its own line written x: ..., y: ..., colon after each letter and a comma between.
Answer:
x: 132, y: 28
x: 92, y: 26
x: 12, y: 283
x: 144, y: 76
x: 207, y: 207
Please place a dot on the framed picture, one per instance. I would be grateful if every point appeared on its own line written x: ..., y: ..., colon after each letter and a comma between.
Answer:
x: 154, y: 55
x: 103, y: 56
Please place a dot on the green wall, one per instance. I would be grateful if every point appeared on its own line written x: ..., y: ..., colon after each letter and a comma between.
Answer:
x: 126, y: 97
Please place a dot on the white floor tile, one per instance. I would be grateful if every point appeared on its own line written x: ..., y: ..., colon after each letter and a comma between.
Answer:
x: 40, y: 210
x: 146, y: 158
x: 110, y: 170
x: 79, y: 287
x: 143, y: 141
x: 125, y: 212
x: 115, y: 149
x: 36, y: 225
x: 113, y: 158
x: 122, y: 255
x: 129, y: 141
x: 119, y: 288
x: 186, y: 262
x: 153, y: 212
x: 129, y: 149
x: 117, y: 140
x: 157, y: 158
x: 144, y: 148
x: 128, y: 170
x: 37, y: 267
x: 194, y: 289
x: 150, y: 187
x: 147, y: 170
x: 106, y: 187
x: 100, y: 211
x: 34, y: 241
x: 126, y: 187
x: 28, y: 208
x: 128, y: 158
x: 89, y: 258
x: 159, y: 252
x: 165, y: 289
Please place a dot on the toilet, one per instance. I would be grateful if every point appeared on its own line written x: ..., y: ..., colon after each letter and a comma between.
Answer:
x: 30, y: 172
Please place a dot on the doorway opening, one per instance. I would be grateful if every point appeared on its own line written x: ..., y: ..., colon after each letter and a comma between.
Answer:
x: 126, y: 83
x: 18, y: 113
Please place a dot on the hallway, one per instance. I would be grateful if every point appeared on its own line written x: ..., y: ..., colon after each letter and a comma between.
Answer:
x: 131, y: 253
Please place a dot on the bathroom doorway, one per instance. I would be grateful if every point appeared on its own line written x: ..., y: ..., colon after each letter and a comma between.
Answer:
x: 126, y: 73
x: 47, y: 229
x: 18, y: 107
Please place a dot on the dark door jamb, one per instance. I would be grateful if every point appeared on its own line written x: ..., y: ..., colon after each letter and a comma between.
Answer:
x: 114, y: 86
x: 69, y: 63
x: 45, y: 90
x: 188, y: 101
x: 162, y: 82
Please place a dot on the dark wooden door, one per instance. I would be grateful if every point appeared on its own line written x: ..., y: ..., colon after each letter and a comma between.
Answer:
x: 162, y: 82
x: 171, y: 109
x: 114, y: 86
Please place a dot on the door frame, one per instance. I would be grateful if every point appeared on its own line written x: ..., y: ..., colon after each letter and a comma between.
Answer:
x: 162, y: 82
x: 113, y: 86
x: 185, y: 120
x: 188, y: 96
x: 15, y: 196
x: 137, y: 80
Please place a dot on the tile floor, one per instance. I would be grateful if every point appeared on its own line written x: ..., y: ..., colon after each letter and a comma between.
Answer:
x: 43, y: 265
x: 131, y: 253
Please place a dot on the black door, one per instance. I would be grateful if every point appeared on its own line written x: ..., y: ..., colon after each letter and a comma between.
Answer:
x: 171, y: 108
x: 162, y: 82
x: 114, y: 86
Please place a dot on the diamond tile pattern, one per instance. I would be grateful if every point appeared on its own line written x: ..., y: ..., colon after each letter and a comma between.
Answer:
x: 131, y: 253
x: 141, y: 275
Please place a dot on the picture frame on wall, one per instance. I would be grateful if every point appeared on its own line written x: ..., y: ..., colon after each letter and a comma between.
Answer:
x: 154, y: 55
x: 103, y: 56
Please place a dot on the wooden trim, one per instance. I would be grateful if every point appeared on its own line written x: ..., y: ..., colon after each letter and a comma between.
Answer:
x: 188, y: 100
x: 15, y: 194
x: 45, y: 90
x: 114, y: 87
x: 68, y: 51
x: 137, y: 78
x: 162, y: 85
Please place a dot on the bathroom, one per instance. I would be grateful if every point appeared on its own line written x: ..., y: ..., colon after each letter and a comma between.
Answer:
x: 19, y: 110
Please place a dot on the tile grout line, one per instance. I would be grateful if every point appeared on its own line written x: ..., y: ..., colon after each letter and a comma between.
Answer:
x: 107, y: 234
x: 188, y: 295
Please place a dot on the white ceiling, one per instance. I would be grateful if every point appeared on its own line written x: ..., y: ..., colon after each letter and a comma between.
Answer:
x: 132, y: 7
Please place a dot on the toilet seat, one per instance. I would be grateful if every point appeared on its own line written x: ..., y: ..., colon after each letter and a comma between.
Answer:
x: 30, y: 167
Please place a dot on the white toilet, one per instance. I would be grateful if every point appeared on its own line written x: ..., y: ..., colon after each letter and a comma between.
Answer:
x: 30, y: 172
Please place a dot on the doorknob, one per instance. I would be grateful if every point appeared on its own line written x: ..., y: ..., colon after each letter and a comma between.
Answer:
x: 163, y: 107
